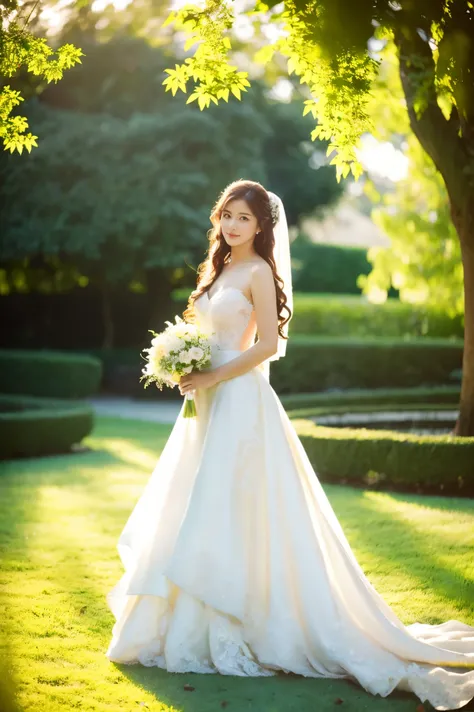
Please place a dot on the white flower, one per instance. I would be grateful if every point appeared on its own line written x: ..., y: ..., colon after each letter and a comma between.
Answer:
x: 275, y: 209
x: 185, y: 356
x: 177, y: 319
x: 156, y: 351
x: 171, y: 342
x: 181, y: 330
x: 195, y: 353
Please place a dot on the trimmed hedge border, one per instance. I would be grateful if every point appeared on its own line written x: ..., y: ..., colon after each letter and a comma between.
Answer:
x: 30, y: 427
x: 356, y: 317
x: 319, y: 363
x: 49, y: 374
x: 386, y: 459
x: 333, y: 315
x: 381, y: 396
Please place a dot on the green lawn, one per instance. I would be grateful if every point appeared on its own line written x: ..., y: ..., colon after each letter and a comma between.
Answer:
x: 59, y: 522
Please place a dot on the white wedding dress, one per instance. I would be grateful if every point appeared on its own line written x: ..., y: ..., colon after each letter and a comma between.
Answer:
x: 236, y: 563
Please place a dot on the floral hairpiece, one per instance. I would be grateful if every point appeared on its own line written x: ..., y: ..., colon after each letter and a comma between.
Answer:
x: 274, y: 209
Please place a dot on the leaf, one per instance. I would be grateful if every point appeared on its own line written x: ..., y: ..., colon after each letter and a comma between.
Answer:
x: 223, y: 94
x: 264, y: 54
x: 190, y: 41
x: 171, y: 18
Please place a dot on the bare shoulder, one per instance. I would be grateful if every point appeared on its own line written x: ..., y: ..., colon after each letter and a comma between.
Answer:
x: 262, y: 281
x: 261, y: 270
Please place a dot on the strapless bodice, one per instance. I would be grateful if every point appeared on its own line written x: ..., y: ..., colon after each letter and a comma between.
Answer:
x: 227, y: 315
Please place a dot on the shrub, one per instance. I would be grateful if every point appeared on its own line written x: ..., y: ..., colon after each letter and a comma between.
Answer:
x: 430, y: 463
x: 49, y: 373
x: 380, y: 396
x: 356, y: 317
x: 327, y: 268
x: 30, y: 427
x: 318, y: 364
x: 353, y: 316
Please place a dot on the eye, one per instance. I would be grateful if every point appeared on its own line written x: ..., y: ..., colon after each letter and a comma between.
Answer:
x: 244, y: 218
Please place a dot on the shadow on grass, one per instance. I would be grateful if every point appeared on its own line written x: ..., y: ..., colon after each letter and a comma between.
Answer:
x: 54, y: 511
x: 281, y: 693
x: 79, y: 505
x: 393, y: 533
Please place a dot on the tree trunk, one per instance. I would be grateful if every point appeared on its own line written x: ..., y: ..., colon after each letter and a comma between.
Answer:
x: 107, y: 317
x: 451, y: 152
x: 465, y: 226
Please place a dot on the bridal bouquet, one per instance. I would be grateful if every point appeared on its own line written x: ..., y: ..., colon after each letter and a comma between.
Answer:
x: 176, y: 351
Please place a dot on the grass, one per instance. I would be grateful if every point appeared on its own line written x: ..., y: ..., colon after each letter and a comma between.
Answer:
x: 59, y: 522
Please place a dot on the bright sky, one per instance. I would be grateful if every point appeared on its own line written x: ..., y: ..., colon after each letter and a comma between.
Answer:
x: 382, y: 158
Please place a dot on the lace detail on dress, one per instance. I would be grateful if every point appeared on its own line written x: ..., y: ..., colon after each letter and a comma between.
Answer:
x: 192, y: 637
x: 227, y: 315
x: 230, y: 654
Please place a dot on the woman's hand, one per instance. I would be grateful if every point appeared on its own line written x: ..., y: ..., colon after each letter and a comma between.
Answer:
x: 197, y: 379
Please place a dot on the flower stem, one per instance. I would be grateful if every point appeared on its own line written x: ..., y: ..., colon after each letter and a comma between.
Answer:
x: 189, y: 406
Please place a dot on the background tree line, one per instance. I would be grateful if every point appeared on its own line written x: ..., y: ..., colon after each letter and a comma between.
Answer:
x: 117, y: 196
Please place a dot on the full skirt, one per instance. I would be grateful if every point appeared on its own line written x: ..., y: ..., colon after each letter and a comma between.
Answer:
x: 235, y: 563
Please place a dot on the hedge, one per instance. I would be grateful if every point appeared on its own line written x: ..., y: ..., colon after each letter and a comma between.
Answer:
x: 318, y: 364
x: 387, y: 459
x: 356, y: 317
x: 30, y: 427
x: 327, y: 268
x: 49, y: 373
x: 379, y: 396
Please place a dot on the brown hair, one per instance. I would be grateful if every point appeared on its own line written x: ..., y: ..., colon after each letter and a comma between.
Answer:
x: 208, y: 271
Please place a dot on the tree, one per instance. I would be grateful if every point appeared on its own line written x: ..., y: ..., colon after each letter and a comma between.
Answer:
x: 131, y: 206
x: 118, y: 198
x: 21, y: 49
x: 329, y: 45
x: 296, y: 168
x: 120, y: 189
x: 423, y: 261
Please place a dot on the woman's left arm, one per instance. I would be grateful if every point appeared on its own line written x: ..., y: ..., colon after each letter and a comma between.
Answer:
x: 264, y: 299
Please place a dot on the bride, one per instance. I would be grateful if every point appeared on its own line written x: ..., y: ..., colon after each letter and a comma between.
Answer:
x: 235, y: 562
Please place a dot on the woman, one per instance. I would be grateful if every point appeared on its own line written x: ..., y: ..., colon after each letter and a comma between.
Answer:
x: 234, y: 559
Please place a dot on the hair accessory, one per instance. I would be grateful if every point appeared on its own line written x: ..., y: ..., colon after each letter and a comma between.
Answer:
x: 275, y: 209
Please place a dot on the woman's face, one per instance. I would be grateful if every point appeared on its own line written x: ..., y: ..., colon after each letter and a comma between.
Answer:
x: 238, y: 223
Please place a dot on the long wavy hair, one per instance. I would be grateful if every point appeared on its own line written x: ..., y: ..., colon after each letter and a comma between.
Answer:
x: 219, y: 252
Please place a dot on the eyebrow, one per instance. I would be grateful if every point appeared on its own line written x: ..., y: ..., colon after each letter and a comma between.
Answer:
x: 226, y: 210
